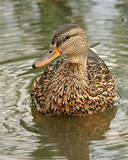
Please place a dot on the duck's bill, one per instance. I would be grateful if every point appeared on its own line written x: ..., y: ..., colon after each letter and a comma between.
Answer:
x: 50, y: 55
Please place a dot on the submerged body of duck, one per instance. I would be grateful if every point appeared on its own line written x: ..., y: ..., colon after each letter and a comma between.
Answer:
x: 78, y: 84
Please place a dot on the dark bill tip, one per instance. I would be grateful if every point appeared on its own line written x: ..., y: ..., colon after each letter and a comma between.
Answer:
x: 34, y: 66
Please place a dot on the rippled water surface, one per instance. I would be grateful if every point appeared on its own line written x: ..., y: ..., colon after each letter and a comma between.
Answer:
x: 26, y: 28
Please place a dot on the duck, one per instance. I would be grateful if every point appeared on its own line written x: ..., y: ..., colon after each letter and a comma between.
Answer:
x: 75, y: 81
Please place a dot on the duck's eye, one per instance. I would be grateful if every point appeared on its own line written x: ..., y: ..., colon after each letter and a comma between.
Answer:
x: 67, y: 37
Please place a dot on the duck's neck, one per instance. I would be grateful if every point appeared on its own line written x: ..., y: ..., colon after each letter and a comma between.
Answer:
x: 82, y: 61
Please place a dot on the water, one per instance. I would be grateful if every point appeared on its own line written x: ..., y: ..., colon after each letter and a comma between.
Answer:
x: 26, y: 28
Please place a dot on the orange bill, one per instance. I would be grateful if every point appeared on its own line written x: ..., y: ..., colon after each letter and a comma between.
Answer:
x: 50, y: 55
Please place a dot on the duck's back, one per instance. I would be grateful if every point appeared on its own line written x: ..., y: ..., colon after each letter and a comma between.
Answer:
x: 62, y: 90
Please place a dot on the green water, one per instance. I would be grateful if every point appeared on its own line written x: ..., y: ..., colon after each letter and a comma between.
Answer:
x: 26, y: 28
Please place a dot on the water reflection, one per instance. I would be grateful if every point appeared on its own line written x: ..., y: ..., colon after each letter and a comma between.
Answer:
x: 73, y: 134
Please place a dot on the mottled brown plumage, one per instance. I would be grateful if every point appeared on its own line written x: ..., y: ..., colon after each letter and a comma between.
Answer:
x: 78, y: 84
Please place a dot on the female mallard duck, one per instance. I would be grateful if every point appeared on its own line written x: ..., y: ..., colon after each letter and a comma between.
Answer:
x: 78, y: 84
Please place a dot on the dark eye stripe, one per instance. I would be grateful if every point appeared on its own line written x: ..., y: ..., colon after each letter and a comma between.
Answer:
x: 67, y: 37
x: 58, y: 43
x: 73, y: 35
x: 62, y: 30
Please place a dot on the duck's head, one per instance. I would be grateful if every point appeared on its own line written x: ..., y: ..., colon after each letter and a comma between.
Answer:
x: 68, y: 40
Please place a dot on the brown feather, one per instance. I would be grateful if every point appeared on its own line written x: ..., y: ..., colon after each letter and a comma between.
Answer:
x: 64, y: 90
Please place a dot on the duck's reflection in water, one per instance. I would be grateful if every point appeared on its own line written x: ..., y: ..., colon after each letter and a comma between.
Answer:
x: 73, y: 134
